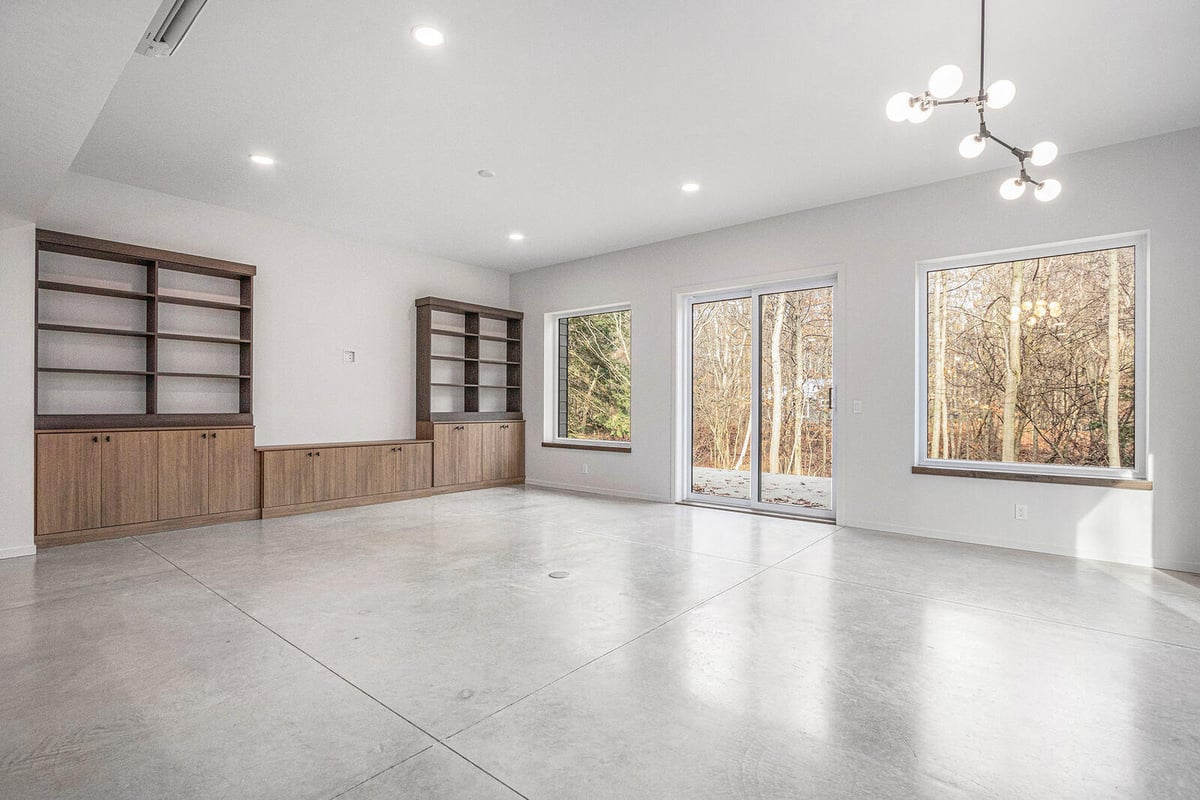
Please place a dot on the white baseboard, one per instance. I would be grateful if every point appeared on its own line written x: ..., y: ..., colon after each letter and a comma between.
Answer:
x: 570, y: 487
x: 18, y: 551
x: 1033, y: 547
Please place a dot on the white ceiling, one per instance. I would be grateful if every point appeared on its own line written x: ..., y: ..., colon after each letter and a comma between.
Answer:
x: 58, y: 61
x: 593, y: 113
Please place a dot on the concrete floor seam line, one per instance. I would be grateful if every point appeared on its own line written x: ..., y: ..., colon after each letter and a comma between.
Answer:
x: 802, y: 549
x: 974, y: 607
x: 607, y: 653
x: 293, y: 645
x: 508, y: 786
x: 382, y: 771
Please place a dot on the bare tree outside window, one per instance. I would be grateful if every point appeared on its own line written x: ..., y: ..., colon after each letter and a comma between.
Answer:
x: 1032, y: 361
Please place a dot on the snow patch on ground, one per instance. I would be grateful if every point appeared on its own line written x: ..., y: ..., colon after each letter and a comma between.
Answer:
x: 795, y: 490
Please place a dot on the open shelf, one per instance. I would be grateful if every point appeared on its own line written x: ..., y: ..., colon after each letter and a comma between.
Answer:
x: 48, y: 326
x: 188, y: 337
x: 198, y: 303
x: 102, y: 291
x: 229, y: 284
x: 218, y: 375
x: 479, y: 324
x: 76, y: 371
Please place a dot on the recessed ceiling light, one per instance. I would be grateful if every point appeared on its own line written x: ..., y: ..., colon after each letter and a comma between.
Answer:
x: 690, y: 188
x: 516, y: 237
x: 486, y: 173
x: 262, y: 160
x: 428, y: 36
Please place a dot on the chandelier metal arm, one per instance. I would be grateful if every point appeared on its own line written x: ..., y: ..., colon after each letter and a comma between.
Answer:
x: 919, y: 107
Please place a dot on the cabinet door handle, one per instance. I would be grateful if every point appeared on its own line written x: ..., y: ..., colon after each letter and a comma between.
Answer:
x: 108, y: 438
x: 214, y: 434
x: 310, y: 455
x: 318, y: 454
x: 95, y: 438
x: 204, y: 436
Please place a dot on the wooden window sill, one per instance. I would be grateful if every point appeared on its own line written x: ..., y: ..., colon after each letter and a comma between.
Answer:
x: 1106, y: 483
x: 604, y: 448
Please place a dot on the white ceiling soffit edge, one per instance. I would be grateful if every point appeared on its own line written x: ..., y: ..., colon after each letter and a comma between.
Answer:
x: 60, y: 61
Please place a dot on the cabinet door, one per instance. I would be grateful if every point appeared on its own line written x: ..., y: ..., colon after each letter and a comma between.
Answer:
x: 287, y: 477
x: 376, y: 470
x: 457, y: 452
x: 232, y: 471
x: 128, y: 477
x: 182, y: 474
x: 335, y: 473
x: 493, y: 458
x: 514, y: 449
x: 68, y: 482
x: 415, y: 466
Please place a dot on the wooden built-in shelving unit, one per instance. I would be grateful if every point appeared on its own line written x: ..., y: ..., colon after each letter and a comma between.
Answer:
x: 123, y: 273
x: 478, y: 380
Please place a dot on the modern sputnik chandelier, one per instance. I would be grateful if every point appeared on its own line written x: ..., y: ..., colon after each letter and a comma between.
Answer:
x: 947, y: 80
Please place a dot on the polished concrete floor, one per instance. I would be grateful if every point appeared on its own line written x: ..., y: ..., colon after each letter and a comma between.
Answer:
x: 420, y: 650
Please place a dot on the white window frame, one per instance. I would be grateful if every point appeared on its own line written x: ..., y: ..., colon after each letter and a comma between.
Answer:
x: 550, y: 382
x: 1140, y: 241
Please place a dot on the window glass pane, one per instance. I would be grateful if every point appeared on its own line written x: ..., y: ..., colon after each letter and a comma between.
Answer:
x: 594, y: 386
x: 721, y: 397
x: 1032, y: 361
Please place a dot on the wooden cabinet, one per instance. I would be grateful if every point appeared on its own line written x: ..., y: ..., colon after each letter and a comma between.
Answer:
x: 287, y: 477
x: 232, y: 471
x: 128, y: 477
x: 182, y: 474
x: 503, y: 450
x: 457, y: 453
x: 103, y: 481
x: 330, y: 473
x: 414, y: 466
x: 471, y: 452
x: 68, y: 482
x: 335, y: 473
x: 376, y: 470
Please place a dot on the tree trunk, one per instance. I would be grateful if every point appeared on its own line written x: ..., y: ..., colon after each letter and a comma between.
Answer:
x: 1113, y: 422
x: 798, y: 424
x: 776, y: 386
x: 1012, y: 372
x: 938, y: 401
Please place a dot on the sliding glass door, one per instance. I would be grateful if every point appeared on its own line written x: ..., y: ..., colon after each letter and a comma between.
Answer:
x: 760, y: 396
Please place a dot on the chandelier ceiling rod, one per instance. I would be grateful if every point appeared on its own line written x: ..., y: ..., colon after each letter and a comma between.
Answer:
x: 947, y: 80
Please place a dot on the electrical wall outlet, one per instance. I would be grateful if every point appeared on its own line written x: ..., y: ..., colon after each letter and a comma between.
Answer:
x: 858, y: 406
x: 1020, y: 511
x: 348, y: 356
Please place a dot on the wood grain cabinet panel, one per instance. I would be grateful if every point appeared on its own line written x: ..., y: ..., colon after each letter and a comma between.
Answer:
x: 514, y: 450
x: 232, y: 471
x: 287, y: 477
x: 376, y: 470
x: 128, y: 477
x: 414, y: 468
x: 457, y: 453
x: 68, y: 482
x: 335, y: 473
x: 182, y: 474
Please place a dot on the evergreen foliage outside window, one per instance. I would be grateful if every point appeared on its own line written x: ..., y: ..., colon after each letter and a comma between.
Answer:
x: 594, y: 376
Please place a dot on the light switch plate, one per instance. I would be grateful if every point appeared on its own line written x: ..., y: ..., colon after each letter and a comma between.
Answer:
x: 858, y: 406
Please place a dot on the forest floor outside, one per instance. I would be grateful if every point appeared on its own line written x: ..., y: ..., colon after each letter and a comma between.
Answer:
x: 796, y: 490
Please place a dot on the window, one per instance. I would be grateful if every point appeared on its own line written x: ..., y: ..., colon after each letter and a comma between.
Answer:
x: 592, y: 376
x: 1035, y: 363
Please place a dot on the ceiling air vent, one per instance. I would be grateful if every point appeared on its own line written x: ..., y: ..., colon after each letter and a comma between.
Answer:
x: 169, y: 26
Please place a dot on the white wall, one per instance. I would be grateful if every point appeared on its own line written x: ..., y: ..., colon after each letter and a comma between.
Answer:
x: 1153, y: 184
x: 17, y: 254
x: 315, y: 295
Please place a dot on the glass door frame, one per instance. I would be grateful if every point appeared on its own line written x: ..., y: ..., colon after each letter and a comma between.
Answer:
x: 755, y: 294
